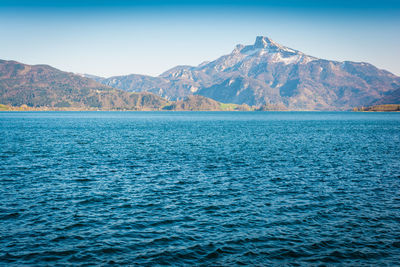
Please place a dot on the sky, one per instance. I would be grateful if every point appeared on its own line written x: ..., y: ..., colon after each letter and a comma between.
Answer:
x: 120, y: 37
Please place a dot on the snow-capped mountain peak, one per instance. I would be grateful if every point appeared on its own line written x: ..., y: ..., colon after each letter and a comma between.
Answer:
x: 265, y: 44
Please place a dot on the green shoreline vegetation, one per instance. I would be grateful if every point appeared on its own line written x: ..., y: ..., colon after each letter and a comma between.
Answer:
x: 379, y: 108
x: 188, y: 105
x: 191, y: 103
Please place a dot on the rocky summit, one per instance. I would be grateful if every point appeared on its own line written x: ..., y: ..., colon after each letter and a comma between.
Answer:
x: 267, y: 73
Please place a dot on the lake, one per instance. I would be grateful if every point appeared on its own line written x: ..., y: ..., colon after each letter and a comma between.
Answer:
x: 199, y: 188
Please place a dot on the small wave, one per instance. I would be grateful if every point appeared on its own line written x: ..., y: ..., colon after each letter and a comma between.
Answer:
x: 164, y: 222
x: 10, y: 216
x: 83, y: 180
x: 91, y: 200
x: 73, y: 226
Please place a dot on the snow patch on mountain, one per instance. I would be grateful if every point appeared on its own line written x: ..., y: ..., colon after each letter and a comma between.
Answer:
x: 274, y: 52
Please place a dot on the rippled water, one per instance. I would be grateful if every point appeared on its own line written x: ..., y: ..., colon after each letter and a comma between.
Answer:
x: 193, y: 188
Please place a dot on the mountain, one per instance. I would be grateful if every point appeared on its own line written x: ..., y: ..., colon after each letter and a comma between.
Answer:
x: 269, y: 74
x: 45, y: 86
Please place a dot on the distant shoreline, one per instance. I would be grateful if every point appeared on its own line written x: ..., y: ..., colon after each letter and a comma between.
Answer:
x: 22, y: 108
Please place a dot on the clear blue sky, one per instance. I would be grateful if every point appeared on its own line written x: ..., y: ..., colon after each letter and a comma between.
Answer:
x: 119, y: 37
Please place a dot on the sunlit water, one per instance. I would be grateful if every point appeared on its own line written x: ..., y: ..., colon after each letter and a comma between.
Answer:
x: 199, y: 188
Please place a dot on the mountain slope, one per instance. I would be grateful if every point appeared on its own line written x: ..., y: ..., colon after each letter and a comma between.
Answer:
x: 391, y: 98
x: 45, y: 86
x: 269, y: 73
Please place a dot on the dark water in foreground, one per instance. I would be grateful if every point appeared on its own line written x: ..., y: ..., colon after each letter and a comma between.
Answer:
x: 194, y: 188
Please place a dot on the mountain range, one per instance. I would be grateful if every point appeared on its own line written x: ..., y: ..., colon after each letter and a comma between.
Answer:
x: 45, y: 86
x: 265, y: 75
x: 42, y: 87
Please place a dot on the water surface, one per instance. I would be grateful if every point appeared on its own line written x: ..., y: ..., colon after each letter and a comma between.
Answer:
x: 199, y: 188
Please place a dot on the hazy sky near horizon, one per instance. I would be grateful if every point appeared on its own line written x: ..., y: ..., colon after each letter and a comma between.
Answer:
x: 108, y: 38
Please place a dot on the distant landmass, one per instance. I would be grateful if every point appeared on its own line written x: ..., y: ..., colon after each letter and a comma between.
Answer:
x: 261, y: 76
x: 267, y: 73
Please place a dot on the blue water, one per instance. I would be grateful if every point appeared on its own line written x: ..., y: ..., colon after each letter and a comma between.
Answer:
x: 199, y: 188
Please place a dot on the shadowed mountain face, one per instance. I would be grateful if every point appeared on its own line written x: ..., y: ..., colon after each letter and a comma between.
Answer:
x: 45, y: 86
x: 269, y: 73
